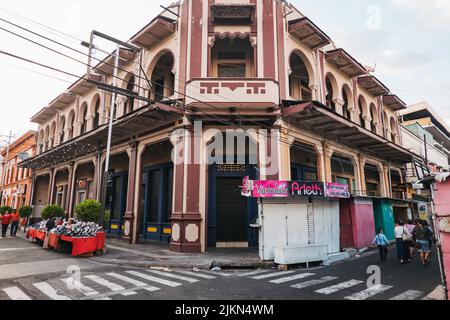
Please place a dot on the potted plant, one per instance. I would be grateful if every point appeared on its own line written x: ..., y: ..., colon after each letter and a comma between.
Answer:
x: 88, y: 211
x: 53, y: 211
x: 25, y: 213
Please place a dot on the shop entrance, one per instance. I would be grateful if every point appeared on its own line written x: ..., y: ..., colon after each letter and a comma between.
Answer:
x: 230, y: 214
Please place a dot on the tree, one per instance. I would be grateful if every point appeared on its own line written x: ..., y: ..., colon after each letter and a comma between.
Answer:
x: 25, y: 212
x: 53, y: 211
x: 6, y: 209
x: 88, y: 211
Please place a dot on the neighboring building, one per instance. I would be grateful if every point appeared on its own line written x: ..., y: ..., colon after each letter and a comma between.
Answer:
x: 16, y: 181
x: 257, y: 64
x: 420, y: 126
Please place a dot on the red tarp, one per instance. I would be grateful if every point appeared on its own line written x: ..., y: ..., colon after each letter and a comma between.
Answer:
x: 53, y: 240
x: 40, y: 235
x: 31, y: 233
x: 83, y: 246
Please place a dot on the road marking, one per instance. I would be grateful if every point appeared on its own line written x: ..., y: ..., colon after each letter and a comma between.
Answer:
x: 368, y: 293
x: 312, y: 283
x: 15, y: 293
x: 197, y: 274
x: 134, y: 282
x: 339, y: 287
x: 77, y: 285
x: 408, y: 295
x: 110, y: 285
x: 292, y: 278
x: 49, y: 291
x: 222, y: 274
x: 19, y: 249
x: 272, y: 275
x: 173, y: 276
x: 154, y: 279
x: 253, y: 273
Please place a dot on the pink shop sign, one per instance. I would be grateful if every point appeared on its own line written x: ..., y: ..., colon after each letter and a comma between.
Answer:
x: 337, y: 190
x: 265, y: 189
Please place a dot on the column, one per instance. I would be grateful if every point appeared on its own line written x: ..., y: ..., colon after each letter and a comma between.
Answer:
x: 339, y: 103
x: 270, y: 149
x: 70, y: 190
x: 326, y: 156
x: 357, y: 173
x: 97, y: 175
x: 130, y: 213
x: 367, y: 120
x: 52, y: 185
x: 285, y: 161
x: 90, y: 122
x: 362, y: 175
x: 186, y: 218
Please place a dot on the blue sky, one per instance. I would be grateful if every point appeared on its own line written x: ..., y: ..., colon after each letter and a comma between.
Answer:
x: 408, y: 40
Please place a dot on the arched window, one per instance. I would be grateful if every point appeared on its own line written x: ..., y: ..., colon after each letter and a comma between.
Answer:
x: 362, y: 122
x: 373, y: 117
x: 346, y: 106
x: 299, y: 79
x: 62, y: 124
x: 330, y: 95
x: 97, y: 114
x: 129, y: 104
x: 162, y: 78
x: 83, y: 128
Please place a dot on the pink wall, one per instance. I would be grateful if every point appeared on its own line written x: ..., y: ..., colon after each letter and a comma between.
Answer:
x: 442, y: 207
x: 363, y: 224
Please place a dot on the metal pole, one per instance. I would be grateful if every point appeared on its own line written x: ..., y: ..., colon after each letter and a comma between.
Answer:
x: 426, y: 149
x: 108, y: 146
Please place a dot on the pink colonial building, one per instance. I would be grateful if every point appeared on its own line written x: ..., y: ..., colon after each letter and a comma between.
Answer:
x: 255, y: 65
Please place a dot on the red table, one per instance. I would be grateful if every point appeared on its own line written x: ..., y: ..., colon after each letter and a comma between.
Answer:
x: 53, y: 241
x: 31, y: 233
x: 40, y: 235
x: 81, y: 246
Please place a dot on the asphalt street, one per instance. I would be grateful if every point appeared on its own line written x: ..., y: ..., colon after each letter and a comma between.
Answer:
x: 28, y: 272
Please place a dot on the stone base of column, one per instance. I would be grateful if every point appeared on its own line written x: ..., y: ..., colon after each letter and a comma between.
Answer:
x: 128, y: 227
x: 186, y: 233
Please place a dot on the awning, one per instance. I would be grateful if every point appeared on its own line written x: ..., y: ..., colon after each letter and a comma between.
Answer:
x: 393, y: 102
x: 154, y: 33
x: 373, y: 85
x: 307, y: 32
x: 318, y: 118
x: 346, y: 63
x: 138, y: 122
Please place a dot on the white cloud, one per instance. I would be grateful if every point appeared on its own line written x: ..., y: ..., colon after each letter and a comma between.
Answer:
x: 435, y: 13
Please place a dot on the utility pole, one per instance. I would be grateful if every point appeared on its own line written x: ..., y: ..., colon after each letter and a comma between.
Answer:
x: 10, y: 136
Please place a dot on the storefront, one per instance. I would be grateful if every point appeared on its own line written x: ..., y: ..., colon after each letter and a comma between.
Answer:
x: 298, y: 220
x: 384, y: 216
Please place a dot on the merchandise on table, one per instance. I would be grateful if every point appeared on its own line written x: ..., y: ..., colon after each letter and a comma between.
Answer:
x: 78, y: 230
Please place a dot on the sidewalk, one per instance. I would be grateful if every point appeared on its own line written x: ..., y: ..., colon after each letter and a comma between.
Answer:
x: 158, y: 255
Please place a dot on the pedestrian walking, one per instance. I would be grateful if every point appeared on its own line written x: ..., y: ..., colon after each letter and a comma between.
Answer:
x: 14, y: 223
x: 5, y: 223
x: 50, y: 225
x: 401, y: 237
x: 411, y: 243
x: 382, y: 242
x: 424, y: 236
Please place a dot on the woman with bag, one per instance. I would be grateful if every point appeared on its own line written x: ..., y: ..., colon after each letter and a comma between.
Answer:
x: 402, y: 236
x: 382, y: 242
x: 424, y: 236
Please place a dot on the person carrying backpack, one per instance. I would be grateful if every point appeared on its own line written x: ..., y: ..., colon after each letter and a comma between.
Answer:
x: 382, y: 242
x: 424, y: 236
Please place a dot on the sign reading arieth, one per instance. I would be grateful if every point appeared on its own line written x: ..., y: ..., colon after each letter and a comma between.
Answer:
x: 286, y: 189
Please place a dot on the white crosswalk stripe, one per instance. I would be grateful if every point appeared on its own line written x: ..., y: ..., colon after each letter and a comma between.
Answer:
x: 173, y: 276
x: 49, y: 291
x: 272, y: 275
x: 196, y: 274
x: 155, y: 279
x: 339, y: 287
x: 134, y: 282
x: 110, y: 285
x: 408, y: 295
x: 77, y: 285
x: 312, y: 283
x: 253, y: 273
x: 15, y: 293
x: 292, y: 278
x: 221, y: 274
x: 368, y: 293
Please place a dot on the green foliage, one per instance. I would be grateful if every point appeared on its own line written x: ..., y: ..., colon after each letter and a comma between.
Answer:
x: 25, y: 212
x: 6, y: 209
x: 53, y: 210
x: 88, y: 211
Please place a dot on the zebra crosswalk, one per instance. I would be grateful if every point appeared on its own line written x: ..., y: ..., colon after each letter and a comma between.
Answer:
x: 106, y: 286
x: 331, y: 286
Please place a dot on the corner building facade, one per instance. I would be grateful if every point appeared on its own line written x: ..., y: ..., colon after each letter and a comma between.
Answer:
x: 255, y: 64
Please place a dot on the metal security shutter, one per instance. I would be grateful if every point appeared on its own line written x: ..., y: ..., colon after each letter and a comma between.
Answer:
x: 231, y: 211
